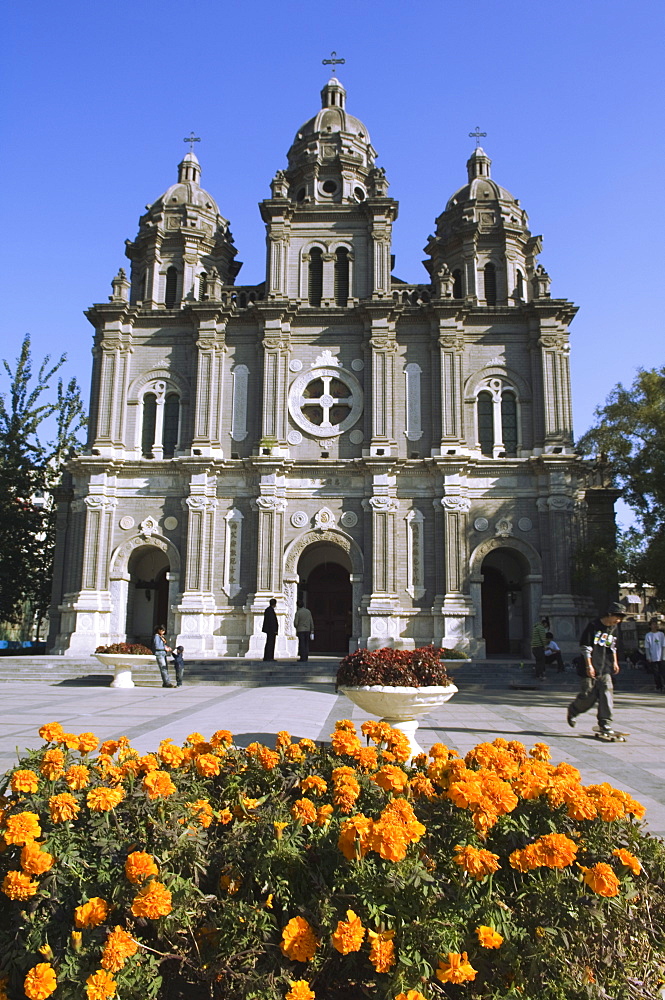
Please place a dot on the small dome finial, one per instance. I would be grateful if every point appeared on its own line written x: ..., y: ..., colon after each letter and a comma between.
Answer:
x: 478, y: 164
x: 189, y: 169
x: 333, y: 61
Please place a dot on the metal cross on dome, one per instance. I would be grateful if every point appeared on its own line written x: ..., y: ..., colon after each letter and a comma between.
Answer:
x: 477, y: 135
x: 191, y: 139
x: 333, y: 61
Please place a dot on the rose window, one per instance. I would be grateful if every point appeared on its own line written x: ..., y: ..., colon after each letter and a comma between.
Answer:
x: 325, y: 402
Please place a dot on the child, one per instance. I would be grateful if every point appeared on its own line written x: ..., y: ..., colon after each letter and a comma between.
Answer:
x: 179, y: 664
x: 553, y: 653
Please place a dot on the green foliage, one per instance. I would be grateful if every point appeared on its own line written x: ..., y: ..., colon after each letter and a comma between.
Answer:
x: 30, y: 469
x: 630, y: 432
x: 240, y: 863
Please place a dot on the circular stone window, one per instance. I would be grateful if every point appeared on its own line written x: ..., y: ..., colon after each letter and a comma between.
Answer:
x: 325, y: 401
x: 301, y: 194
x: 359, y: 193
x: 329, y: 187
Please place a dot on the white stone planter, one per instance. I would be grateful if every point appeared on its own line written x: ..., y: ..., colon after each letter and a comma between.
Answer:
x: 400, y: 707
x: 122, y: 664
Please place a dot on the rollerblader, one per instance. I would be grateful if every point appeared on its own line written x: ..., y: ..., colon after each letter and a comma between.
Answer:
x: 598, y: 645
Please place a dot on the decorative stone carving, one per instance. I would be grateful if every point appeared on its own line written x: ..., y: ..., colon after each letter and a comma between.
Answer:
x: 240, y: 377
x: 349, y: 519
x: 126, y: 522
x: 231, y: 584
x: 503, y: 528
x: 295, y: 365
x: 357, y: 364
x: 525, y: 524
x: 444, y: 282
x: 100, y: 502
x: 356, y: 437
x: 561, y: 503
x: 381, y: 504
x: 199, y: 503
x: 326, y: 360
x: 352, y: 403
x: 481, y: 524
x: 299, y: 519
x: 149, y: 526
x: 414, y: 430
x: 294, y: 437
x: 457, y: 503
x: 541, y: 505
x: 275, y: 504
x: 171, y: 523
x: 324, y: 519
x: 415, y: 570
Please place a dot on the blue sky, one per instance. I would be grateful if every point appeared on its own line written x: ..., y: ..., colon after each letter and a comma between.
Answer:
x: 98, y: 97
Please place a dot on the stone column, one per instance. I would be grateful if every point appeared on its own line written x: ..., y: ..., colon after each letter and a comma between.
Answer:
x: 271, y: 508
x: 195, y: 615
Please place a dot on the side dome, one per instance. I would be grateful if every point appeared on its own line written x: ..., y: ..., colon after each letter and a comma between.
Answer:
x: 480, y: 186
x: 187, y: 190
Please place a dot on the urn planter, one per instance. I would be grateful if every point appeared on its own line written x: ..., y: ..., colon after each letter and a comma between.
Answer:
x: 400, y: 707
x: 122, y: 664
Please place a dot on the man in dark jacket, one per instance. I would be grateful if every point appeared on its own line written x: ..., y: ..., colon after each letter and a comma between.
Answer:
x: 599, y: 652
x: 271, y: 629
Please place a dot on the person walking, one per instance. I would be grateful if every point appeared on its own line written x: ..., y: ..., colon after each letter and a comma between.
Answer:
x: 160, y: 649
x: 304, y: 626
x: 654, y: 647
x: 271, y: 628
x: 538, y: 643
x: 599, y: 654
x: 179, y: 664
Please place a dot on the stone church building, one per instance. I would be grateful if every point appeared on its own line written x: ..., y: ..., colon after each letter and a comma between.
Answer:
x: 398, y: 456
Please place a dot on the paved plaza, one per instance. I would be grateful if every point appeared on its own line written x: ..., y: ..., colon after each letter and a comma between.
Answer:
x: 474, y: 715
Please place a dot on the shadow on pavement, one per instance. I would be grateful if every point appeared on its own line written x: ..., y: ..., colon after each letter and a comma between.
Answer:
x: 86, y: 680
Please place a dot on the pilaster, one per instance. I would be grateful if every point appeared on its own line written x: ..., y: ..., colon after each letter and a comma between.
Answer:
x: 195, y: 615
x: 211, y: 351
x: 270, y: 507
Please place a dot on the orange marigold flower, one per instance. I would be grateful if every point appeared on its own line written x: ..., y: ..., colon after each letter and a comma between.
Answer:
x: 267, y: 758
x: 314, y: 783
x: 345, y: 742
x: 457, y: 969
x: 51, y: 732
x: 207, y: 764
x: 92, y: 913
x: 77, y: 776
x: 109, y: 747
x: 391, y: 779
x: 279, y: 827
x: 299, y: 942
x: 476, y: 862
x: 307, y: 745
x: 63, y: 807
x: 104, y: 799
x: 222, y: 737
x: 323, y: 814
x: 304, y: 811
x: 4, y: 980
x: 421, y: 787
x: 51, y: 765
x: 397, y: 746
x: 196, y: 738
x: 170, y: 754
x: 202, y: 812
x: 349, y: 934
x: 283, y: 739
x: 158, y: 785
x: 465, y: 794
x: 100, y: 985
x: 87, y: 742
x: 367, y: 758
x: 346, y: 788
x: 118, y: 948
x: 346, y: 724
x: 140, y: 866
x: 40, y: 982
x: 69, y: 740
x: 382, y: 950
x: 153, y: 900
x: 300, y: 990
x: 609, y: 808
x: 224, y: 816
x: 230, y: 883
x: 354, y: 836
x: 541, y: 751
x: 488, y: 937
x: 628, y: 860
x: 148, y: 763
x: 579, y: 805
x: 24, y: 781
x: 439, y: 751
x: 601, y: 879
x: 410, y: 995
x: 294, y: 752
x: 22, y: 827
x: 34, y: 860
x: 18, y: 885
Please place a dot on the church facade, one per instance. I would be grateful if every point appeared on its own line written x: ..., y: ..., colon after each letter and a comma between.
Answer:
x: 400, y: 457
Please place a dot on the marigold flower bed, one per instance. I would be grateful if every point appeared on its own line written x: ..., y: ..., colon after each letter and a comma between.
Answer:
x: 311, y: 872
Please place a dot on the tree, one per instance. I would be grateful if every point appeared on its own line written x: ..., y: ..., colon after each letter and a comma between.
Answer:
x: 630, y: 432
x: 29, y: 470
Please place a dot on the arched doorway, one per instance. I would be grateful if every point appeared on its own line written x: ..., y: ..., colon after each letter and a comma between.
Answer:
x: 148, y: 594
x: 503, y: 603
x: 324, y: 586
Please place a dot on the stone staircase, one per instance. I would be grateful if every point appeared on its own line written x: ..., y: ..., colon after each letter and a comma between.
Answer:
x: 469, y: 675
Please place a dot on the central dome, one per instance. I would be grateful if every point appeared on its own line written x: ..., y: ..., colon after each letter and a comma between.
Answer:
x: 333, y: 116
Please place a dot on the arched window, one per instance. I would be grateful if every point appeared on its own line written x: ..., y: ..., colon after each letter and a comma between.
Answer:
x: 509, y: 423
x: 341, y: 276
x: 143, y: 284
x: 457, y: 284
x: 490, y: 284
x: 148, y: 427
x: 171, y: 424
x: 485, y: 422
x: 171, y: 287
x: 519, y: 285
x: 203, y: 282
x: 315, y: 285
